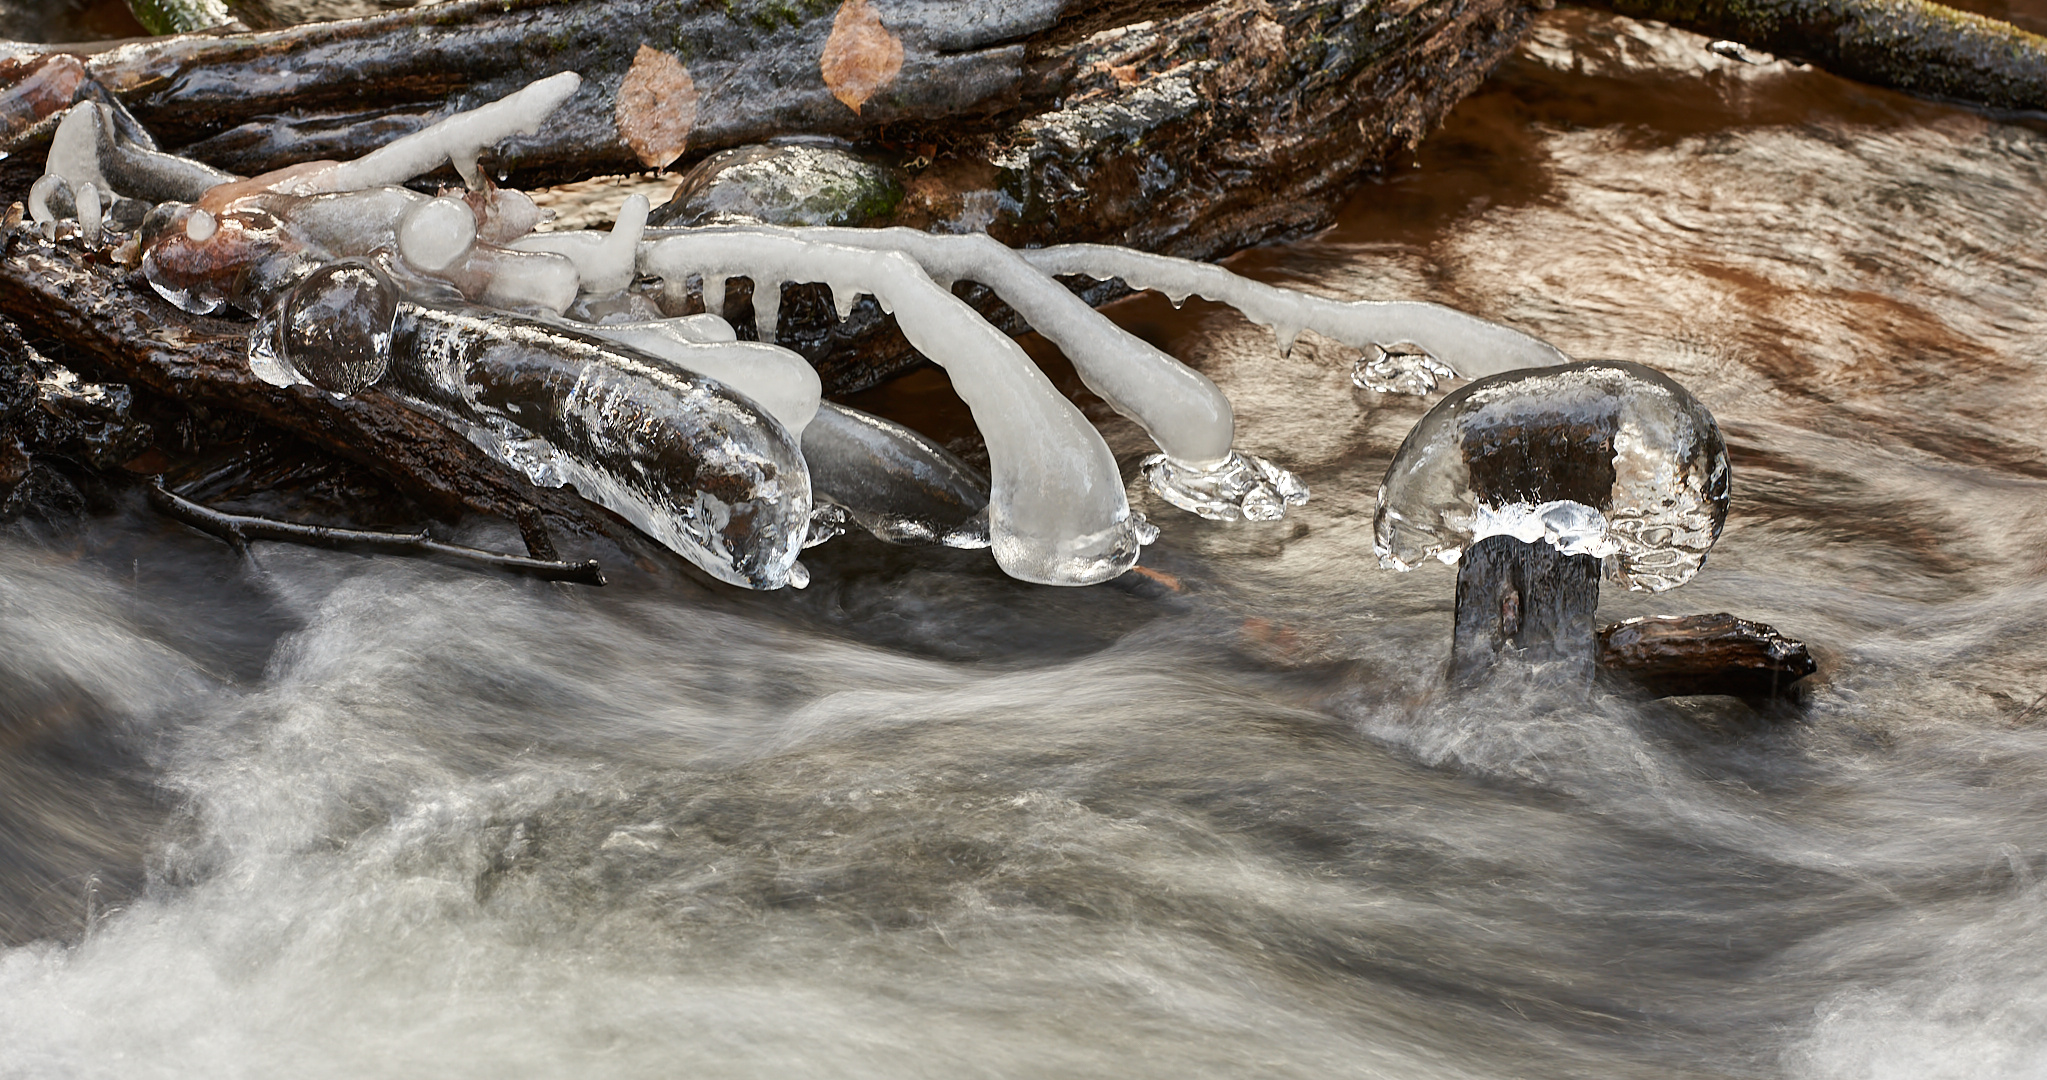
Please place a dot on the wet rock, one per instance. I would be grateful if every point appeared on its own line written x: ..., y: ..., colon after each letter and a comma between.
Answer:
x: 786, y: 184
x: 48, y: 413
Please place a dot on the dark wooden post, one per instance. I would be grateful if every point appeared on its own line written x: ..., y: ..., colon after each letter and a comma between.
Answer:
x: 1527, y: 598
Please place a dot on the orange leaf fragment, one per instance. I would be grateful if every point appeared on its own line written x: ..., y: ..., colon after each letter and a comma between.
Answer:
x: 861, y: 56
x: 657, y: 107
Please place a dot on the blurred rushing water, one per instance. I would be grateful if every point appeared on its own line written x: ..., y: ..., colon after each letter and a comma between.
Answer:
x: 344, y: 816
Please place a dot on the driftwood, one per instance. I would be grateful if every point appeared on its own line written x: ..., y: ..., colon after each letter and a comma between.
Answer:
x: 1703, y: 654
x: 1910, y: 45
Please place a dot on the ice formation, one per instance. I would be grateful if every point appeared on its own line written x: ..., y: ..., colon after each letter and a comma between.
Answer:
x: 556, y: 352
x: 1471, y: 346
x: 1602, y: 458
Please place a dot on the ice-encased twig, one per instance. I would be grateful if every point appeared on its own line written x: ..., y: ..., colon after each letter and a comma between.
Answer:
x: 1057, y: 515
x: 87, y: 148
x: 1471, y: 345
x: 693, y: 465
x: 456, y: 140
x: 778, y: 380
x: 1182, y: 411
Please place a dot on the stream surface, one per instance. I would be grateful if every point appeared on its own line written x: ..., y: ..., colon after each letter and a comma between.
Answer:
x: 345, y: 816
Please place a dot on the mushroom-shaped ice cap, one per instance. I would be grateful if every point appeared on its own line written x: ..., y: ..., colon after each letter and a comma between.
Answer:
x: 1602, y: 458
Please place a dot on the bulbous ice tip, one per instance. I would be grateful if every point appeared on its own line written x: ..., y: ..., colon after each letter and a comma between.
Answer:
x: 435, y: 233
x: 1604, y: 458
x: 334, y: 328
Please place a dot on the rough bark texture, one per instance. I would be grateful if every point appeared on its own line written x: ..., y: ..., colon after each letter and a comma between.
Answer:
x: 1526, y: 600
x: 1703, y: 654
x: 1908, y: 45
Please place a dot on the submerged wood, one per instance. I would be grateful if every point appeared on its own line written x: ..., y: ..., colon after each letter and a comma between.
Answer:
x: 1703, y: 654
x: 1526, y: 600
x: 1910, y: 45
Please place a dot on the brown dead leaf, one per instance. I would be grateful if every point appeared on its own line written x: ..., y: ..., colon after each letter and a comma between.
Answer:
x: 657, y: 107
x: 862, y: 56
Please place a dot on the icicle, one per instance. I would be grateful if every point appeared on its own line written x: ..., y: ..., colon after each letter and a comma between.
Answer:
x: 89, y: 214
x: 605, y: 260
x: 843, y: 298
x: 1285, y: 334
x: 456, y: 140
x: 767, y: 308
x: 714, y: 294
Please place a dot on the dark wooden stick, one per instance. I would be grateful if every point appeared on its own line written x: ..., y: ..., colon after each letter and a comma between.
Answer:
x: 1526, y: 598
x: 238, y: 529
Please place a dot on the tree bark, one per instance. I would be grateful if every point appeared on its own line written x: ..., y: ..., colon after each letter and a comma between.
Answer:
x: 1910, y: 45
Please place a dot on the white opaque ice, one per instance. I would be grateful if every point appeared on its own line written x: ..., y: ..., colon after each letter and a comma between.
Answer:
x: 778, y: 380
x: 1177, y: 406
x: 1473, y: 346
x: 74, y: 149
x: 40, y: 211
x: 456, y: 140
x: 1057, y: 513
x: 606, y: 261
x: 88, y: 200
x: 519, y: 280
x: 435, y: 233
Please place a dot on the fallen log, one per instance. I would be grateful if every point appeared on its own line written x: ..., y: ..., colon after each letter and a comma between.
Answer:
x: 1910, y: 45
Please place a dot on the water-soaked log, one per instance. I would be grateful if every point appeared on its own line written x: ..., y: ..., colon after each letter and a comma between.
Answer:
x: 1187, y: 127
x: 1703, y: 654
x: 1910, y: 45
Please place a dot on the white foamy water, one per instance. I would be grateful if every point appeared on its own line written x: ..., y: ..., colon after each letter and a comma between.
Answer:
x: 344, y: 816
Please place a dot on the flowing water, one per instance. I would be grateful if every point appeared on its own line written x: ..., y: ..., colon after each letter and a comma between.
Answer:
x: 346, y: 816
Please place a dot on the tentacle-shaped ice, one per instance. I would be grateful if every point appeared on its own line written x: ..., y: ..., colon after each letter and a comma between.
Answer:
x: 49, y: 200
x: 780, y: 381
x: 693, y: 465
x: 607, y: 261
x: 1057, y: 513
x: 121, y: 167
x: 518, y: 280
x: 1473, y: 346
x: 89, y: 213
x: 457, y: 140
x: 893, y: 482
x: 1182, y: 411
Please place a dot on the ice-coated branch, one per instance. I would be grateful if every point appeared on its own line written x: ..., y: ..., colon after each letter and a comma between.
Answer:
x: 691, y: 464
x: 1473, y: 346
x: 1057, y: 515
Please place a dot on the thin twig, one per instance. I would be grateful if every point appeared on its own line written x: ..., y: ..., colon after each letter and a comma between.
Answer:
x: 238, y: 529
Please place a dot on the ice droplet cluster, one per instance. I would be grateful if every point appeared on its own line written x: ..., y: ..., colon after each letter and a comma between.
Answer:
x: 1602, y: 458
